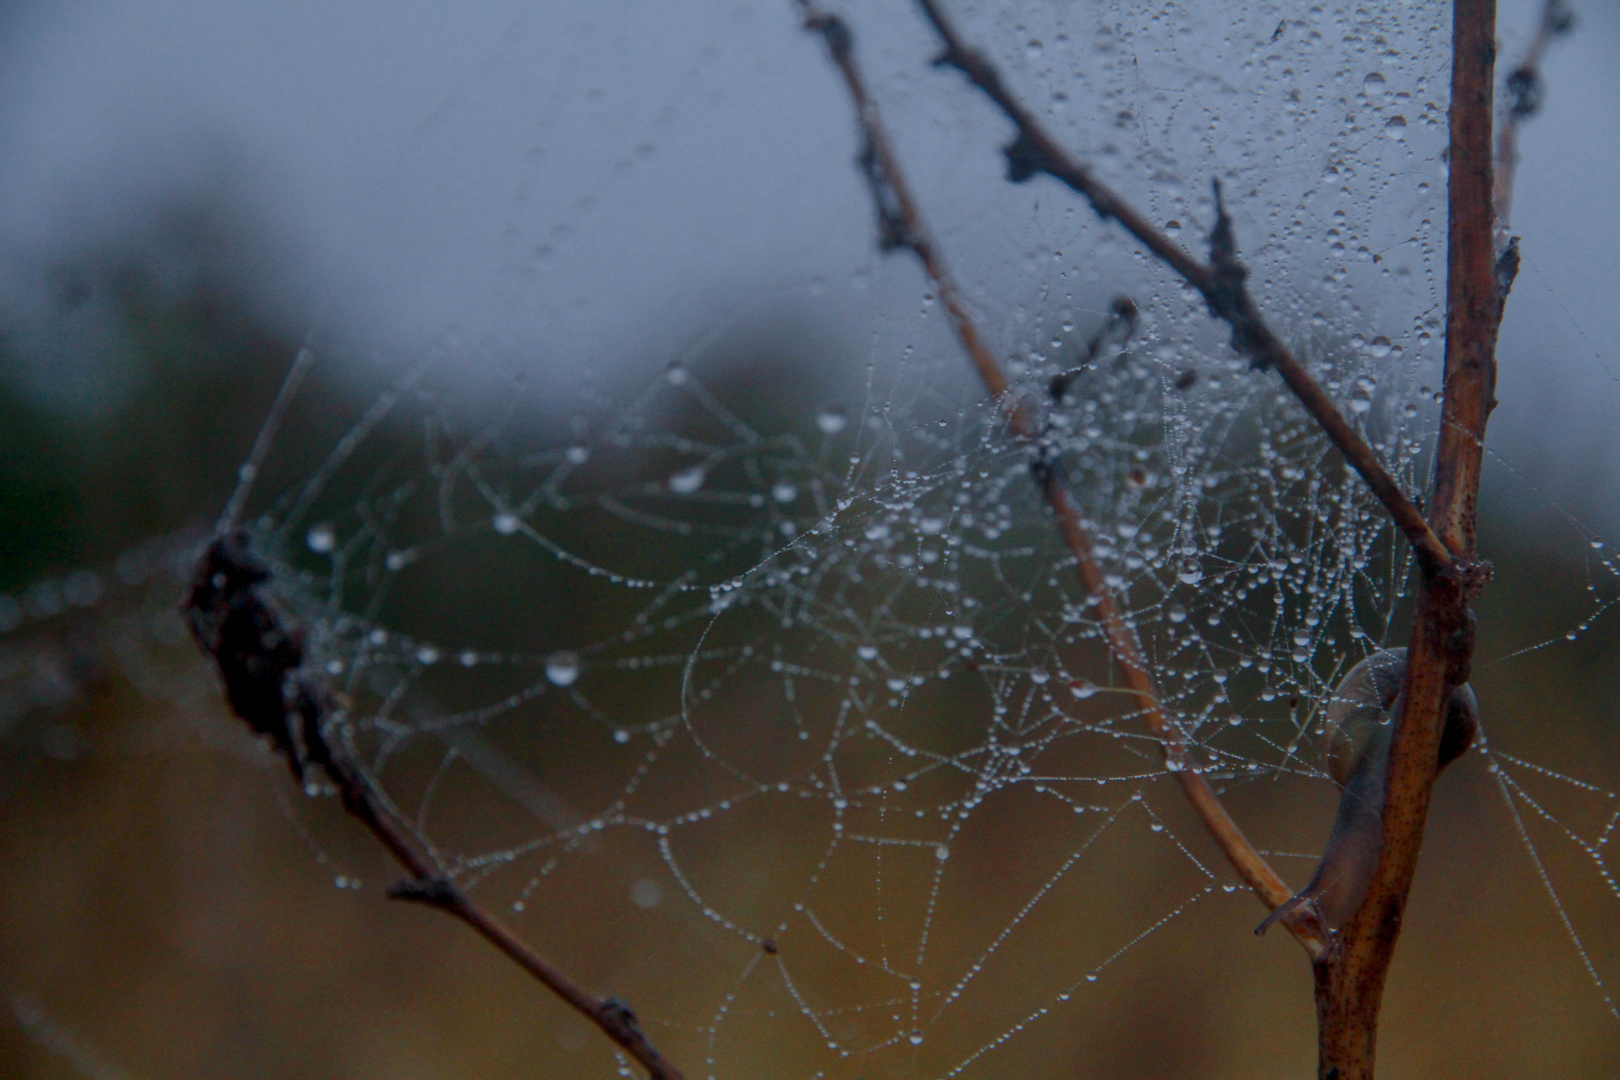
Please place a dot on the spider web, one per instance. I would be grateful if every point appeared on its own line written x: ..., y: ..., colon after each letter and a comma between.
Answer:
x: 804, y: 701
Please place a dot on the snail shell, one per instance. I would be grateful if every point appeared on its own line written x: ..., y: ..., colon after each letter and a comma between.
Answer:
x: 1360, y: 727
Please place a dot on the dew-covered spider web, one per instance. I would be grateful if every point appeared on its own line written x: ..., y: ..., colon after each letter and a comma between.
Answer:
x: 773, y: 705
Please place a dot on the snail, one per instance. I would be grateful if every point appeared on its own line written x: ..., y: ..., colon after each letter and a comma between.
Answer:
x: 1358, y: 733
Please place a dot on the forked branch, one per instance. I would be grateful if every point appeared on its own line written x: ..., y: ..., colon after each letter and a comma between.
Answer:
x: 1349, y: 989
x: 260, y: 662
x: 901, y: 225
x: 1351, y: 968
x: 1221, y: 282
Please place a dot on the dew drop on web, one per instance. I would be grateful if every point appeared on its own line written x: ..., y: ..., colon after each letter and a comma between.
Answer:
x: 562, y: 667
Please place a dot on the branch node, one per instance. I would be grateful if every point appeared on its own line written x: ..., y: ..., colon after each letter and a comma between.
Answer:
x: 1560, y: 18
x: 619, y: 1018
x: 1525, y: 87
x: 835, y: 32
x: 433, y: 891
x: 1226, y: 295
x: 1507, y: 269
x: 1025, y: 158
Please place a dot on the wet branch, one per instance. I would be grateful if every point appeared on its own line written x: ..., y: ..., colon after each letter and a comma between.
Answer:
x: 1351, y: 967
x: 1350, y: 986
x: 1221, y: 282
x: 260, y: 659
x: 901, y: 225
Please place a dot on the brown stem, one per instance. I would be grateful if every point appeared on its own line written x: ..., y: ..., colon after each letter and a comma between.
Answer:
x: 260, y: 662
x: 1221, y: 283
x: 1350, y: 982
x: 901, y: 225
x: 427, y: 885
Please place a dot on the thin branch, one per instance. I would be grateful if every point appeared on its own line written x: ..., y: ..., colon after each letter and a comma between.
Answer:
x: 901, y: 225
x: 1525, y: 94
x: 260, y: 662
x: 1033, y: 150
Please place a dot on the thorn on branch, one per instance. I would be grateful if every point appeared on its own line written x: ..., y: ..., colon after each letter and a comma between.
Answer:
x: 1025, y: 158
x: 1226, y: 296
x: 432, y: 891
x: 836, y: 33
x: 620, y: 1019
x: 1507, y: 269
x: 893, y: 232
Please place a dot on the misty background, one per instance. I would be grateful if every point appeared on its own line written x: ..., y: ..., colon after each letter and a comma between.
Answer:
x: 585, y: 191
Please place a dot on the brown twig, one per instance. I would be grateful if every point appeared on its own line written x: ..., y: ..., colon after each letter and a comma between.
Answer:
x: 901, y: 225
x: 260, y: 662
x: 1525, y: 92
x: 1350, y: 983
x: 1033, y: 151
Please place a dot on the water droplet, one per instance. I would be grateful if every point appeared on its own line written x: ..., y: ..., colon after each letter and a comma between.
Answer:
x: 867, y: 652
x: 506, y: 523
x: 321, y: 539
x: 577, y: 455
x: 832, y: 419
x: 915, y: 1038
x: 676, y: 374
x: 687, y: 480
x: 784, y: 492
x: 942, y: 853
x: 562, y: 667
x: 1395, y: 127
x: 427, y: 654
x: 621, y: 736
x: 931, y: 526
x: 647, y: 893
x: 1381, y: 347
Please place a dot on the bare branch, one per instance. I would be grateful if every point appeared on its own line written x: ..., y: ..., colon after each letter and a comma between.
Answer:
x: 1350, y: 984
x: 260, y: 660
x: 1033, y: 150
x: 901, y: 224
x: 1526, y: 90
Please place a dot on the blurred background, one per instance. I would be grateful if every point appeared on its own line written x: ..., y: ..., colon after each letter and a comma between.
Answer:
x: 568, y: 198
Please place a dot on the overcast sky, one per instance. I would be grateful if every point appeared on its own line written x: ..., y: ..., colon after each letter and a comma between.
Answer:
x: 569, y: 181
